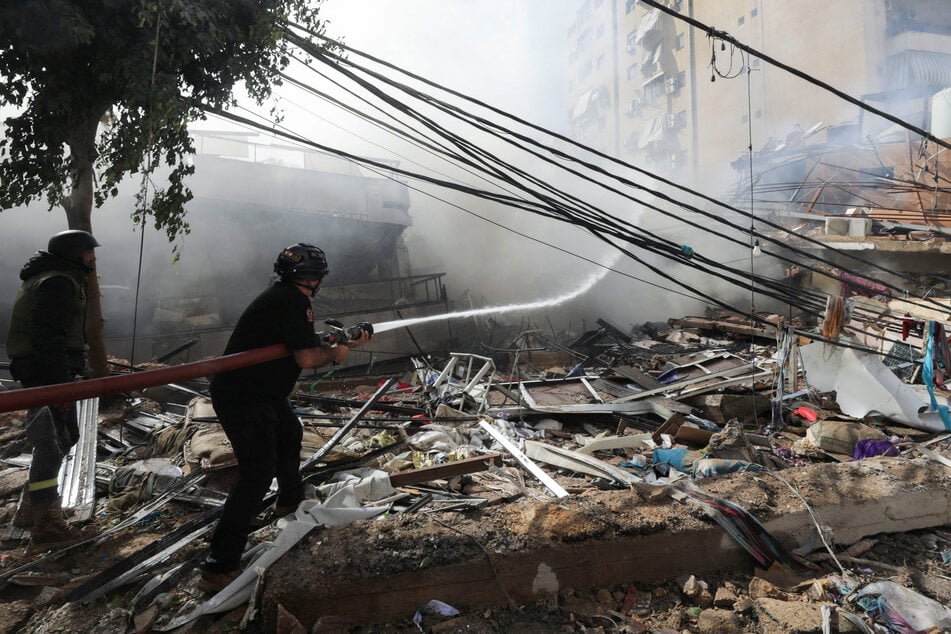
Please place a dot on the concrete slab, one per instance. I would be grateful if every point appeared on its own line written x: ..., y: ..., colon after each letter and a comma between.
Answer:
x: 377, y: 572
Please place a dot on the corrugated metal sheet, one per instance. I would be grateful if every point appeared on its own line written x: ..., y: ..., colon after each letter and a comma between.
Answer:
x: 917, y: 68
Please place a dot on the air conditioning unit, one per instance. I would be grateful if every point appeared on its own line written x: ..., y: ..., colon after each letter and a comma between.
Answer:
x: 670, y: 85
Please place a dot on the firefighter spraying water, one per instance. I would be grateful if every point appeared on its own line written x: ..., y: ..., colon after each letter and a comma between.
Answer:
x: 334, y: 335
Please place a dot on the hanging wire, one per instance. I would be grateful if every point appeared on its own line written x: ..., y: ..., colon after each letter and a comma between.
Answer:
x: 145, y: 186
x: 520, y: 203
x: 754, y: 242
x: 527, y: 193
x: 549, y: 150
x: 729, y: 73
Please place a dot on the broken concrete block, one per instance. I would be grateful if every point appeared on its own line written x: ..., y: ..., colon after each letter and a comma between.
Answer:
x: 729, y: 443
x: 760, y: 589
x: 604, y: 597
x: 705, y: 599
x: 722, y: 407
x: 144, y: 620
x: 743, y: 605
x: 794, y: 617
x: 859, y: 548
x: 691, y: 587
x: 724, y: 598
x: 715, y: 621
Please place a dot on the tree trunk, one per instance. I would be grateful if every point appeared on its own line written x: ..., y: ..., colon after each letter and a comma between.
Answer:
x: 82, y: 148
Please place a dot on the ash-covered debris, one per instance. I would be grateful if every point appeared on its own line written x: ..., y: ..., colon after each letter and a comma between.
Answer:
x: 619, y: 434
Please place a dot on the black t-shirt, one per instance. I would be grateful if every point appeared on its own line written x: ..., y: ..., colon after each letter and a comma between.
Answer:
x: 281, y: 314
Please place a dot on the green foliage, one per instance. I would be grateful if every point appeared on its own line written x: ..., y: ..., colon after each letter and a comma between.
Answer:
x: 142, y: 68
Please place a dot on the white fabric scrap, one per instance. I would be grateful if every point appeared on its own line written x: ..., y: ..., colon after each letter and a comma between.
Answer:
x: 863, y: 384
x: 341, y: 507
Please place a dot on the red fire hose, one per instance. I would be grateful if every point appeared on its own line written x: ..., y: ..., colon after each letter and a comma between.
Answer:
x: 67, y: 392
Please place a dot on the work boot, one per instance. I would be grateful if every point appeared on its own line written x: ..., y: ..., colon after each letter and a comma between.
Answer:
x: 272, y: 513
x: 214, y: 582
x: 280, y: 510
x: 23, y: 518
x: 50, y: 529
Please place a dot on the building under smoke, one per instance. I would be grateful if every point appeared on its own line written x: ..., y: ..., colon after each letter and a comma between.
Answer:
x: 251, y: 199
x: 653, y: 90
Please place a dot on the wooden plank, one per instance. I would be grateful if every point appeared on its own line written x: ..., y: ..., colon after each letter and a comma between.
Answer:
x: 447, y: 470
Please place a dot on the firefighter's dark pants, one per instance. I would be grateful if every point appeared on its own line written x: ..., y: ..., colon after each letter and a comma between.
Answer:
x: 266, y: 439
x: 51, y: 431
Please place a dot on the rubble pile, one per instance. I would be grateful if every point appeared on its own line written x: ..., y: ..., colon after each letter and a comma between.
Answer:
x: 703, y: 475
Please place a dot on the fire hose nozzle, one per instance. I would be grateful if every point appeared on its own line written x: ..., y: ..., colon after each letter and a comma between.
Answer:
x: 338, y: 333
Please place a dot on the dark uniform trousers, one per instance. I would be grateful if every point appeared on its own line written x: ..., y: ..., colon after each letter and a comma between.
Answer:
x: 266, y: 439
x: 51, y: 431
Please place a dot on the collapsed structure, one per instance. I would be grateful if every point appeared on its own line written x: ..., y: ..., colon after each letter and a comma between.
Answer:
x: 618, y: 460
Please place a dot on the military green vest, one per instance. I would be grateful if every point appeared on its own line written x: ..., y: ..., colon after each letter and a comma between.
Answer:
x: 18, y: 338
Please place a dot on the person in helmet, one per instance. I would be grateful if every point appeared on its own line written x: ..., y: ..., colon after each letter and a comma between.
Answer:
x: 46, y: 344
x: 253, y: 409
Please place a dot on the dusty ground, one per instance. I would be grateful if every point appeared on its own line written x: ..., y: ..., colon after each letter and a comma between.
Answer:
x: 33, y: 600
x: 406, y: 543
x: 913, y: 559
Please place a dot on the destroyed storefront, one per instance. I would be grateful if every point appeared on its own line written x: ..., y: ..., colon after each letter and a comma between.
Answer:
x: 709, y: 474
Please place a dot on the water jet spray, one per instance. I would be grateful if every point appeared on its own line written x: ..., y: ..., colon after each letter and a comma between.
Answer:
x: 584, y: 287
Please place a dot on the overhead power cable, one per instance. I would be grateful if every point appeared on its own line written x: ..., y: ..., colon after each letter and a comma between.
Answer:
x: 671, y: 247
x: 487, y: 195
x: 843, y: 254
x: 714, y: 300
x: 815, y: 308
x: 553, y: 203
x: 269, y: 128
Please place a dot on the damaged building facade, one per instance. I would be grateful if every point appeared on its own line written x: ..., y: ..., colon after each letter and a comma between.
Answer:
x: 651, y: 89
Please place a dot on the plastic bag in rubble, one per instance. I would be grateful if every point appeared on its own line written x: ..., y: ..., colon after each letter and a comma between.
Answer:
x: 897, y: 605
x: 436, y: 438
x: 707, y: 467
x: 434, y: 607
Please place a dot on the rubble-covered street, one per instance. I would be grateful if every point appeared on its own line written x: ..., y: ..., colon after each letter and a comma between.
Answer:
x: 681, y: 477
